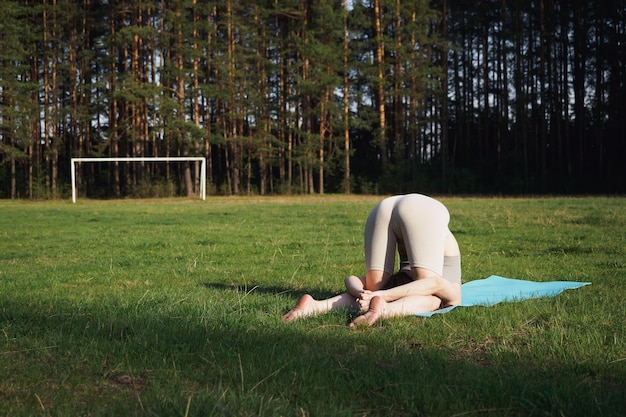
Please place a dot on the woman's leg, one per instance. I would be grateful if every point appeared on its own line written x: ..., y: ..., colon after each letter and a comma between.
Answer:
x: 375, y: 280
x: 428, y: 284
x: 308, y: 306
x: 406, y: 306
x: 380, y: 244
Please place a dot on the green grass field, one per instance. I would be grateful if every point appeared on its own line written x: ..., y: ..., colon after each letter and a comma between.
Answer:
x: 173, y: 308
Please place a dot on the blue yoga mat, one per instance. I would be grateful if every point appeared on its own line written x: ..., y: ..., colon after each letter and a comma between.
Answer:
x: 495, y: 289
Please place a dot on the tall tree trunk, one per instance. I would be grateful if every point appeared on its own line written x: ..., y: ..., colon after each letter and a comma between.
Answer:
x: 579, y: 62
x: 346, y: 102
x: 444, y: 99
x: 209, y: 104
x: 113, y: 110
x: 412, y: 130
x: 56, y: 119
x: 379, y: 56
x: 47, y: 108
x: 196, y: 91
x: 264, y: 144
x: 484, y: 134
x: 232, y: 86
x: 521, y: 124
x: 504, y: 88
x: 322, y: 135
x: 180, y: 98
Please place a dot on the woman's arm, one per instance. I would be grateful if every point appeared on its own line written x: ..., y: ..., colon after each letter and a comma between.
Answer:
x: 426, y: 284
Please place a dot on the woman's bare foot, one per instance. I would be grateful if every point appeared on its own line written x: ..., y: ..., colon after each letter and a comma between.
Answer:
x: 304, y: 307
x: 376, y: 310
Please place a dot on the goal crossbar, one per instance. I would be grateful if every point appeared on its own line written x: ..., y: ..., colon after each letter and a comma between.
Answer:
x: 201, y: 159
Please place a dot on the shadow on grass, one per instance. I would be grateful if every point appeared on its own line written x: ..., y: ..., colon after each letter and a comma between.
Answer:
x: 269, y: 290
x: 108, y: 358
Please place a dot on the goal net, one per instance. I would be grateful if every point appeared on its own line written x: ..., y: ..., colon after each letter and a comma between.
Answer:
x: 201, y: 159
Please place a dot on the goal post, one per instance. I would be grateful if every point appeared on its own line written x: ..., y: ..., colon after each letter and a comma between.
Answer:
x: 201, y: 159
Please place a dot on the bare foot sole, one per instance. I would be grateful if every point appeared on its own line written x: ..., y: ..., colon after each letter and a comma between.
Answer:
x: 303, y: 308
x: 377, y: 307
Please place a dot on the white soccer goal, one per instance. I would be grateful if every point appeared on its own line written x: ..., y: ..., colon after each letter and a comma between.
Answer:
x: 202, y: 159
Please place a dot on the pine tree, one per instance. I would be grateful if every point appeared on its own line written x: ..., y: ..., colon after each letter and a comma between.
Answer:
x: 17, y: 111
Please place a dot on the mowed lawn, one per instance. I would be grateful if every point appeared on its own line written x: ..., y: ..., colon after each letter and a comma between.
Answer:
x: 173, y: 308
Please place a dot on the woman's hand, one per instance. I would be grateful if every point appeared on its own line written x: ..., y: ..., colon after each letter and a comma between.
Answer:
x: 365, y: 297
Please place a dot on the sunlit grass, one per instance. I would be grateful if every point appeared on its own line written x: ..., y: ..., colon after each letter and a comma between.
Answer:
x: 172, y: 307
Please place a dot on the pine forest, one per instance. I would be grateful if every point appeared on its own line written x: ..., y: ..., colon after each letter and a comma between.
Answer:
x: 313, y: 97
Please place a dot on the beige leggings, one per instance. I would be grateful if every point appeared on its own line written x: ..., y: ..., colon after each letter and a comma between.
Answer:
x: 417, y: 226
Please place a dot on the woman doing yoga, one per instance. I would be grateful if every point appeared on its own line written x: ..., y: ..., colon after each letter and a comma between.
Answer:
x: 429, y: 276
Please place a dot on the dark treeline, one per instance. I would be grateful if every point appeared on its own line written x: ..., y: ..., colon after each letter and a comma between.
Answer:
x: 301, y: 96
